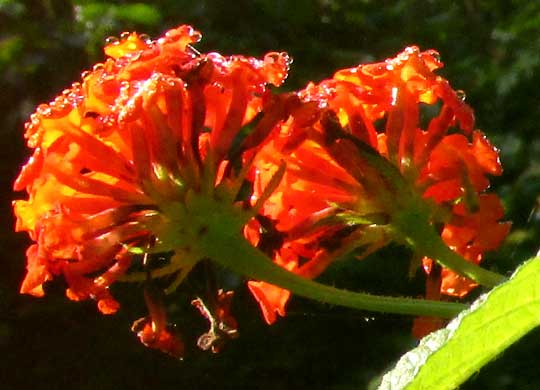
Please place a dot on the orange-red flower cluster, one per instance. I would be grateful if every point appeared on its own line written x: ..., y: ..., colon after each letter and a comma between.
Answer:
x: 153, y: 123
x: 399, y: 109
x: 119, y: 157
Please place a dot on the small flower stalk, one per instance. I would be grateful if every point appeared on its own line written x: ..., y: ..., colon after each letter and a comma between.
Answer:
x: 162, y: 157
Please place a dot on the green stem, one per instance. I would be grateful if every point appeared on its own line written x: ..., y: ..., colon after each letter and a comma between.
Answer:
x: 234, y: 252
x: 411, y: 221
x: 423, y: 239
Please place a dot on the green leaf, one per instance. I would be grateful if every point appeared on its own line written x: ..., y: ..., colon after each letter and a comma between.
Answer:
x: 446, y: 358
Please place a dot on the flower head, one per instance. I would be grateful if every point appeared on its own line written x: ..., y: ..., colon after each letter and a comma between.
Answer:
x: 120, y: 157
x: 368, y: 144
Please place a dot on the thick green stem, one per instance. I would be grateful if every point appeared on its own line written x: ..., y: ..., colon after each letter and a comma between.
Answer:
x: 422, y: 238
x: 235, y: 253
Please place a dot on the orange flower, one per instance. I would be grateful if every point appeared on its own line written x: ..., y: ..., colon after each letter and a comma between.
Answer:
x: 471, y: 234
x: 332, y: 183
x: 118, y: 157
x: 153, y: 330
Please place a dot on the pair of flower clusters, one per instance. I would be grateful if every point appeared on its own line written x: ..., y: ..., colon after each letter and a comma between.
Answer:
x: 141, y: 171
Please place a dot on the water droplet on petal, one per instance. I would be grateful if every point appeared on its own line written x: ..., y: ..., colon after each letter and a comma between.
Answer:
x: 34, y: 119
x: 172, y: 83
x: 218, y: 86
x: 277, y: 66
x: 111, y: 40
x: 134, y: 56
x: 461, y: 95
x: 60, y: 104
x: 195, y: 35
x: 44, y: 109
x: 145, y: 38
x: 411, y: 50
x: 125, y: 35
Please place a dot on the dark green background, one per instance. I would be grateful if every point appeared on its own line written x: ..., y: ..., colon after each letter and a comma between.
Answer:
x: 491, y: 50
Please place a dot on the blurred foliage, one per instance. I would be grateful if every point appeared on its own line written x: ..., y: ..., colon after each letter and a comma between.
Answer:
x: 492, y: 51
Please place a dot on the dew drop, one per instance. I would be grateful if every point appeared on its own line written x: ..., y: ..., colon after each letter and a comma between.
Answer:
x: 111, y: 40
x: 34, y: 120
x: 44, y: 109
x: 85, y: 74
x: 194, y: 34
x: 218, y: 86
x: 134, y: 56
x: 97, y: 67
x: 411, y: 50
x: 61, y: 105
x: 125, y: 35
x: 288, y: 59
x: 461, y: 95
x: 145, y: 38
x: 171, y: 83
